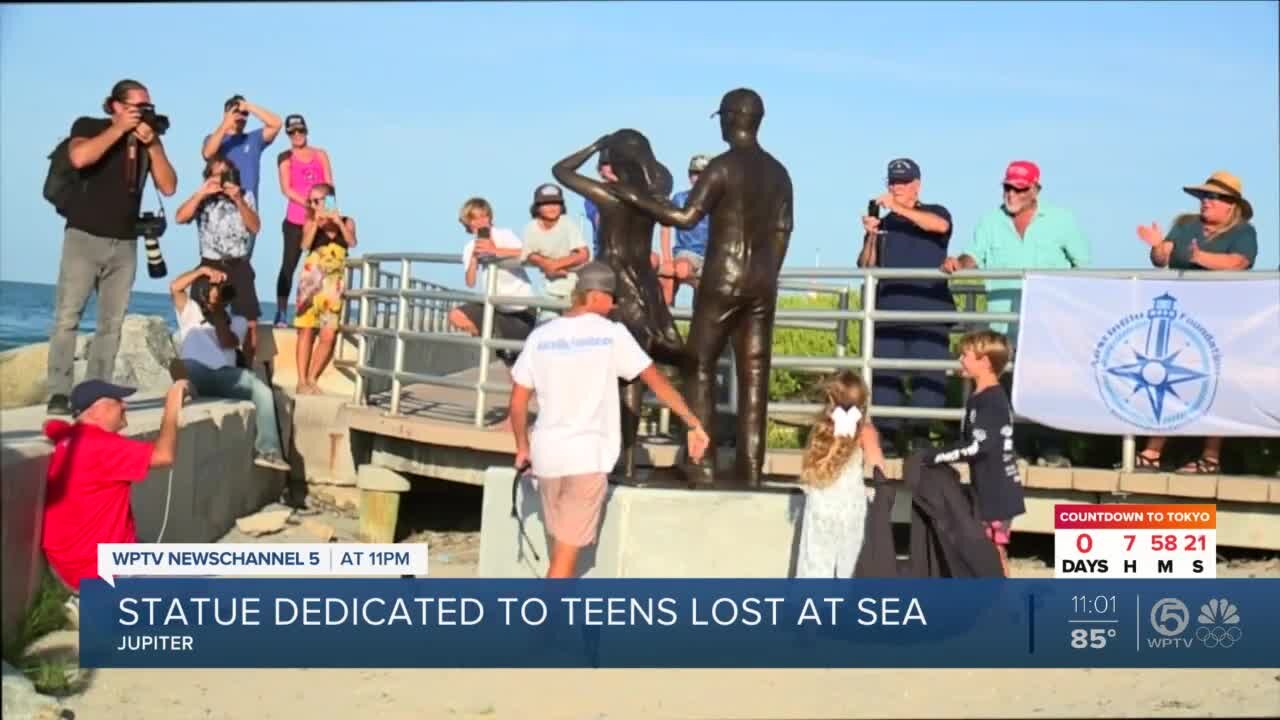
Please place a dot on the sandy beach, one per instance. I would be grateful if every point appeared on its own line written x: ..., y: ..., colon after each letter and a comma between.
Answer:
x: 453, y: 534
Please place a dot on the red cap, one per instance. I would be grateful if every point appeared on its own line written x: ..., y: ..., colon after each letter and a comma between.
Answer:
x: 1022, y: 174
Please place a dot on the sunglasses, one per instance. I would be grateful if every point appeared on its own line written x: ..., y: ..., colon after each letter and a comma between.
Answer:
x: 1215, y: 196
x: 296, y: 131
x: 1016, y: 190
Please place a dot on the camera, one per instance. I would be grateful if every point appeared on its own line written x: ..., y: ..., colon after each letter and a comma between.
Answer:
x: 230, y: 176
x: 200, y: 291
x: 150, y: 226
x: 483, y: 233
x: 159, y: 124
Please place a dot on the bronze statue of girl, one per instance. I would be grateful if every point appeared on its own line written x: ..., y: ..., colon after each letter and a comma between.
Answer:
x: 626, y: 240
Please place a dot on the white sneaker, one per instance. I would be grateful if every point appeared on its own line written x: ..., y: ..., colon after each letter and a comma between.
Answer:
x: 271, y: 462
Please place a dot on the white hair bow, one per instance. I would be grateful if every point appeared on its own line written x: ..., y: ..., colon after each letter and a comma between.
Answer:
x: 846, y: 421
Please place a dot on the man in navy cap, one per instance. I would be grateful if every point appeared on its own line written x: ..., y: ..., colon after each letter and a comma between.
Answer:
x: 91, y: 473
x: 912, y: 235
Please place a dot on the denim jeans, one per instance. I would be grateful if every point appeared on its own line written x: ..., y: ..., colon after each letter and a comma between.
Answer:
x: 90, y: 262
x: 240, y: 384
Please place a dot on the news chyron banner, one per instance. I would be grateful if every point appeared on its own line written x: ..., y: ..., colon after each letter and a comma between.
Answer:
x: 317, y: 607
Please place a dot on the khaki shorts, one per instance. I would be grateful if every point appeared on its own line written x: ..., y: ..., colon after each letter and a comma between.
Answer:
x: 571, y: 507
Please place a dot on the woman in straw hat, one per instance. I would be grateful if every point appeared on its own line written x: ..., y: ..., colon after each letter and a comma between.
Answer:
x: 1219, y: 237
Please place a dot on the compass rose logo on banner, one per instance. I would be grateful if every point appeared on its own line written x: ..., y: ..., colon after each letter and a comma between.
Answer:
x: 1157, y: 369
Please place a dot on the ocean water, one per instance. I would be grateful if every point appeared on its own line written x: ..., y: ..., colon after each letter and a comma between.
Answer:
x: 26, y: 312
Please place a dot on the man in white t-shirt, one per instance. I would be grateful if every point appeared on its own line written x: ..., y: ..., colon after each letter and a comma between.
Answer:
x: 208, y: 336
x: 490, y: 245
x: 553, y: 242
x: 573, y: 363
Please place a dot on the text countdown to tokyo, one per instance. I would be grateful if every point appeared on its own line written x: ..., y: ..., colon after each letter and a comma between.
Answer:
x: 1135, y: 541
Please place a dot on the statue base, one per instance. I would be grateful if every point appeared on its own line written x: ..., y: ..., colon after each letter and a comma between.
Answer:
x: 652, y: 527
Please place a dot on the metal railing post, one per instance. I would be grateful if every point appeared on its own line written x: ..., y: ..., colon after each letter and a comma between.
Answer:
x: 867, y: 349
x: 1128, y: 453
x: 362, y: 339
x: 486, y: 334
x: 842, y: 325
x: 402, y: 320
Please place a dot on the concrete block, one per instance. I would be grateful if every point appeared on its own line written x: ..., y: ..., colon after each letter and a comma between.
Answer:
x: 212, y: 482
x: 322, y: 439
x: 1273, y: 491
x: 22, y: 493
x: 1144, y: 483
x: 1243, y: 489
x: 372, y: 477
x: 1046, y: 478
x: 1197, y: 486
x: 1090, y: 480
x: 649, y: 532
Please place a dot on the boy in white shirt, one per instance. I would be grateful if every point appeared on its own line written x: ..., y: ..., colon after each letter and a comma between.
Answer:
x: 490, y: 244
x: 574, y: 363
x: 208, y: 336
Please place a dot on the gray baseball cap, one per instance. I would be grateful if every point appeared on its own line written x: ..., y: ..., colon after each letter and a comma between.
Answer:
x: 596, y: 275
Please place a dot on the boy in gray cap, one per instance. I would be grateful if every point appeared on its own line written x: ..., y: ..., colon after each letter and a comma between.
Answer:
x: 574, y: 364
x: 552, y: 242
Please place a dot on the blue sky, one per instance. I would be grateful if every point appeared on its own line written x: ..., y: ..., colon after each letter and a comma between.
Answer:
x: 422, y: 105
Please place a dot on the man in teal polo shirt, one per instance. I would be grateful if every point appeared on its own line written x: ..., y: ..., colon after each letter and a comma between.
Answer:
x: 1023, y: 234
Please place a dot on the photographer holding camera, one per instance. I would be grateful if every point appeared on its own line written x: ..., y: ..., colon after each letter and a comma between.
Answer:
x: 111, y: 158
x: 226, y: 223
x: 243, y: 150
x: 208, y: 335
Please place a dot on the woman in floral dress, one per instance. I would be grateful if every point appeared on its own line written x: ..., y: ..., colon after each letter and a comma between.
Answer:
x: 326, y: 238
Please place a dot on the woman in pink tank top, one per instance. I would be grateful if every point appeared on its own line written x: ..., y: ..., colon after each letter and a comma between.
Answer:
x: 301, y: 166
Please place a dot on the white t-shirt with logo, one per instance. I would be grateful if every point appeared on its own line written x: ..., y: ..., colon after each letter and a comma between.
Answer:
x: 573, y: 365
x: 198, y: 340
x: 514, y: 281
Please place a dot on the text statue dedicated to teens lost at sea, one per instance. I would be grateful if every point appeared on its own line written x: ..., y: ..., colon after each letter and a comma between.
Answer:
x: 748, y: 195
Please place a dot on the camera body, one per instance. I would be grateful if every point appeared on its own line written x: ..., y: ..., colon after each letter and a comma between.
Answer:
x: 230, y: 176
x: 150, y: 225
x: 483, y: 233
x: 159, y: 124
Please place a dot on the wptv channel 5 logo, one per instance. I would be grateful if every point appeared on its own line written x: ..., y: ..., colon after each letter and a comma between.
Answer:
x: 1217, y: 624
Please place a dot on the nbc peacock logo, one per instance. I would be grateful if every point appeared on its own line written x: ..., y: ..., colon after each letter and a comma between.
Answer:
x: 1219, y: 621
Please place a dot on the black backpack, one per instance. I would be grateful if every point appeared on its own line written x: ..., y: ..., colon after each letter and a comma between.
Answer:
x: 63, y: 182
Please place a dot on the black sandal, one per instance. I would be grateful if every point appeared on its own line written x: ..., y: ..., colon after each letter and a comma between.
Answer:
x: 1202, y: 466
x: 1146, y: 464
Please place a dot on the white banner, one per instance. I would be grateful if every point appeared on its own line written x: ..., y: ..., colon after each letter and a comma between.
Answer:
x: 1149, y: 357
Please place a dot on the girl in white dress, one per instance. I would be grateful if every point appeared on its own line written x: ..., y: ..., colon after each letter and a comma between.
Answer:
x: 835, y: 505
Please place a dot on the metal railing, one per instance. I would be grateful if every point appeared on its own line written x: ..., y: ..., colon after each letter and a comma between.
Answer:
x: 421, y: 310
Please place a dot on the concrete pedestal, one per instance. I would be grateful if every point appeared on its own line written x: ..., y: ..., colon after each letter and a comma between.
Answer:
x: 649, y: 532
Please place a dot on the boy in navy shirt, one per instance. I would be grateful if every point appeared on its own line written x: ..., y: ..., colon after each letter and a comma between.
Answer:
x: 986, y: 443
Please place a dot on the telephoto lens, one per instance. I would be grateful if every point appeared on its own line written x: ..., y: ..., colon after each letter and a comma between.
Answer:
x: 155, y: 261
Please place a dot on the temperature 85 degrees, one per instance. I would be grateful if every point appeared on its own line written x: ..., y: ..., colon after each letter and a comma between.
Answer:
x: 1091, y: 638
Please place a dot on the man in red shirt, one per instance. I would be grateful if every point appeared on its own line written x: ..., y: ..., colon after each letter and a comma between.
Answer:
x: 92, y: 470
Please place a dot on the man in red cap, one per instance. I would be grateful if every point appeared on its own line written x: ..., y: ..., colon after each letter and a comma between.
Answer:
x: 1023, y: 234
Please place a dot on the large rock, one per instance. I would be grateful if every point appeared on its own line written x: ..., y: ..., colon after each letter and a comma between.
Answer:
x: 146, y: 348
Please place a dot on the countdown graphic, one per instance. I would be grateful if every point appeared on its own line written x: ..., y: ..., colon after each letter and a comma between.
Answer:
x: 1135, y: 541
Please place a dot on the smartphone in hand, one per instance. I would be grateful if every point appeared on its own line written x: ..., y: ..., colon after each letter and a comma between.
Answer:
x: 873, y: 209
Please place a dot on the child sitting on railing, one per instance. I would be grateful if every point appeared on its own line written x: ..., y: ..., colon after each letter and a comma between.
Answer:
x: 835, y: 505
x: 488, y: 243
